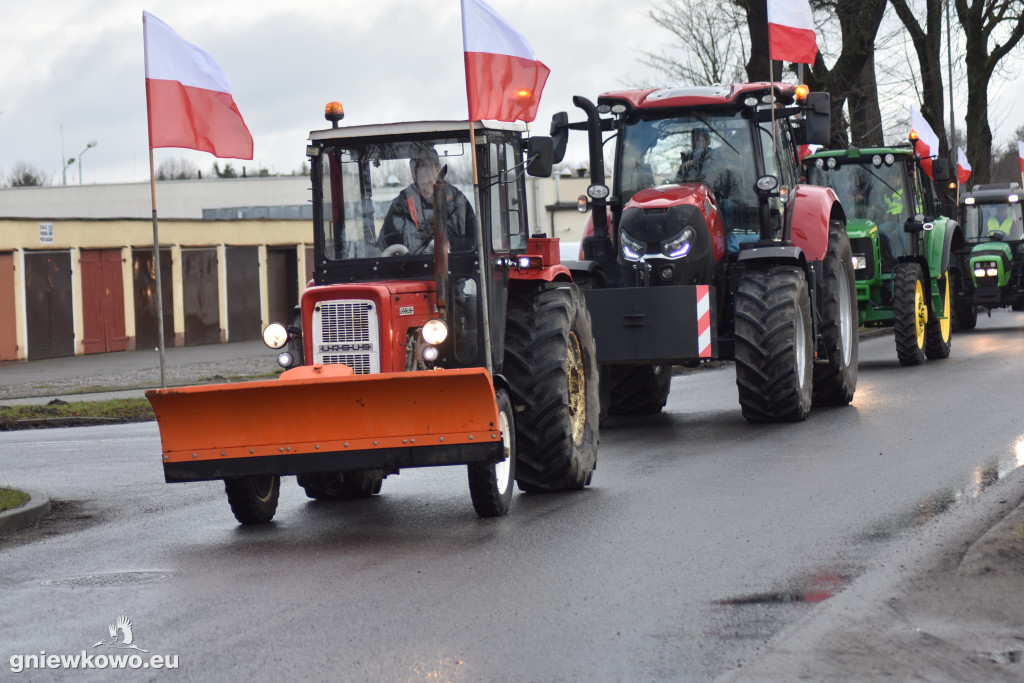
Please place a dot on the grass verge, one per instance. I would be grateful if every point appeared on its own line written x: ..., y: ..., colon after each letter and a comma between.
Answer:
x: 9, y: 498
x: 75, y: 412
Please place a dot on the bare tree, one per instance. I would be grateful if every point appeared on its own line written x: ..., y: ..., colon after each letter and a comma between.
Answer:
x: 1006, y: 161
x: 992, y: 28
x: 177, y: 169
x: 708, y: 46
x: 24, y: 174
x: 927, y: 41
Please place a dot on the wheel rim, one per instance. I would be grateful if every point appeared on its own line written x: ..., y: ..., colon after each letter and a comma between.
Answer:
x: 263, y: 487
x: 946, y: 323
x: 577, y: 390
x: 503, y: 468
x: 847, y: 316
x: 920, y: 313
x: 800, y: 348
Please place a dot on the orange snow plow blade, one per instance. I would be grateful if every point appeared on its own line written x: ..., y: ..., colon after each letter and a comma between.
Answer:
x: 325, y: 418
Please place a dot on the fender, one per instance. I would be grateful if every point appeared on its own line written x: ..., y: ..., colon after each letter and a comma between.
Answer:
x: 940, y: 245
x: 810, y: 209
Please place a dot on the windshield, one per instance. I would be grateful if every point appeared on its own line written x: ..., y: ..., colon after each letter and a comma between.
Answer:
x: 984, y: 222
x: 714, y: 149
x: 873, y: 193
x: 379, y: 200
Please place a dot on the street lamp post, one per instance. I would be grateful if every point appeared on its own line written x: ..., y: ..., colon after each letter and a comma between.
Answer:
x: 87, y: 148
x: 65, y: 171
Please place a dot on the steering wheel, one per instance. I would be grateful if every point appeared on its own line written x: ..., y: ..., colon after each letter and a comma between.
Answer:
x: 396, y: 250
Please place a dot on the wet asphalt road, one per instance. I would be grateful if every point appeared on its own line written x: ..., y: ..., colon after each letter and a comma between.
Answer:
x: 700, y: 538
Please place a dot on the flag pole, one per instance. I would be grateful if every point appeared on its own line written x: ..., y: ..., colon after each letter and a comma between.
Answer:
x: 156, y: 232
x: 484, y: 285
x: 156, y: 271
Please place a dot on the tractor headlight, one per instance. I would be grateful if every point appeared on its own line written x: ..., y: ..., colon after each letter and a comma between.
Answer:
x: 860, y: 261
x: 979, y: 272
x: 632, y: 249
x: 428, y: 353
x: 275, y: 335
x: 679, y: 246
x: 285, y: 359
x: 434, y: 331
x: 991, y: 272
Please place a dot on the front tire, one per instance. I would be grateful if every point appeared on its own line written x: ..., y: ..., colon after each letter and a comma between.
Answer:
x: 551, y: 367
x: 773, y: 344
x: 939, y: 331
x: 836, y: 381
x: 253, y: 498
x: 639, y: 389
x: 491, y: 483
x: 910, y: 313
x: 965, y: 313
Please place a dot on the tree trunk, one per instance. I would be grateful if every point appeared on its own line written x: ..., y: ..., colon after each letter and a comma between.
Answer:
x: 865, y: 114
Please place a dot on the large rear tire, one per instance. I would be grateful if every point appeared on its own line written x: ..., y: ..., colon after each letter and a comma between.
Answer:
x: 774, y: 351
x: 910, y: 313
x: 491, y: 484
x: 939, y: 331
x: 639, y: 389
x: 551, y: 367
x: 253, y: 498
x: 836, y: 381
x: 341, y: 485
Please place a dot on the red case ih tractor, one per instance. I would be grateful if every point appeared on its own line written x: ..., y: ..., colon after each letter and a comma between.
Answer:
x: 435, y: 333
x: 706, y: 247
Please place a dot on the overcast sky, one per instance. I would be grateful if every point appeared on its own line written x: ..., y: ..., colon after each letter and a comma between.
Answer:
x: 71, y: 71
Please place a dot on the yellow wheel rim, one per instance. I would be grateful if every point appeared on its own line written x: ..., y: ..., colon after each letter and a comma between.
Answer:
x: 920, y: 313
x: 946, y: 322
x: 577, y: 390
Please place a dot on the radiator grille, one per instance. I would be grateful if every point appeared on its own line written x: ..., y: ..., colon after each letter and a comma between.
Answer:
x: 338, y: 325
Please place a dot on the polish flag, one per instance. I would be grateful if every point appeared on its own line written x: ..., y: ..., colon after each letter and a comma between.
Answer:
x: 504, y: 80
x: 791, y: 31
x: 926, y: 143
x: 188, y: 97
x: 963, y: 167
x: 1020, y: 155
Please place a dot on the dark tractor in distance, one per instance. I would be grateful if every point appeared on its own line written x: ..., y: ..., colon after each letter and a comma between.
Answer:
x: 707, y: 247
x: 992, y: 256
x: 901, y: 248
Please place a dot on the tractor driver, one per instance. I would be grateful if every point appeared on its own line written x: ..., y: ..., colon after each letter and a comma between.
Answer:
x: 1000, y: 221
x: 410, y: 218
x: 701, y: 158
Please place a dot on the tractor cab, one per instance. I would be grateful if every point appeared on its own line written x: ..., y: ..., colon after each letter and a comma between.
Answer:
x: 395, y: 212
x: 992, y: 213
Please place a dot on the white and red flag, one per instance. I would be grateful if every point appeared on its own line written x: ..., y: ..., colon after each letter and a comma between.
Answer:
x: 1020, y: 154
x: 188, y: 97
x: 504, y: 79
x: 791, y: 31
x: 963, y: 167
x: 927, y: 143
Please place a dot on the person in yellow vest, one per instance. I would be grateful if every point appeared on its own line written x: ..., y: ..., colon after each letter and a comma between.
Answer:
x: 1000, y: 221
x: 410, y: 218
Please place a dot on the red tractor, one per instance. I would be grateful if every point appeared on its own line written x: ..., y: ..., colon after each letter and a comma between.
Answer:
x: 435, y: 332
x: 706, y: 246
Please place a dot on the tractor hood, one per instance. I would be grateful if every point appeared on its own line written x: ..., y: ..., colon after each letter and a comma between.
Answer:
x: 858, y: 228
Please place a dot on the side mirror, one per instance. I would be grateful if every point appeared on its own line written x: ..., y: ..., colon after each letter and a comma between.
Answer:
x: 817, y: 119
x: 940, y: 170
x: 559, y: 135
x: 540, y: 153
x: 915, y: 224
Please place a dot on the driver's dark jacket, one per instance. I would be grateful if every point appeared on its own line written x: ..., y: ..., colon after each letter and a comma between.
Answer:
x: 410, y: 221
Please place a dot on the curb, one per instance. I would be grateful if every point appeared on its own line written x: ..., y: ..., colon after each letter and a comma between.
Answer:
x: 28, y: 514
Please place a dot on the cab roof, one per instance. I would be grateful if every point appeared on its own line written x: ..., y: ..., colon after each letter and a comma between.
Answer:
x: 412, y: 128
x: 857, y: 153
x: 995, y: 193
x: 698, y: 96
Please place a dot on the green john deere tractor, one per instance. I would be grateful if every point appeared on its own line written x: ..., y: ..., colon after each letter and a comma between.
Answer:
x: 992, y: 256
x: 901, y: 246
